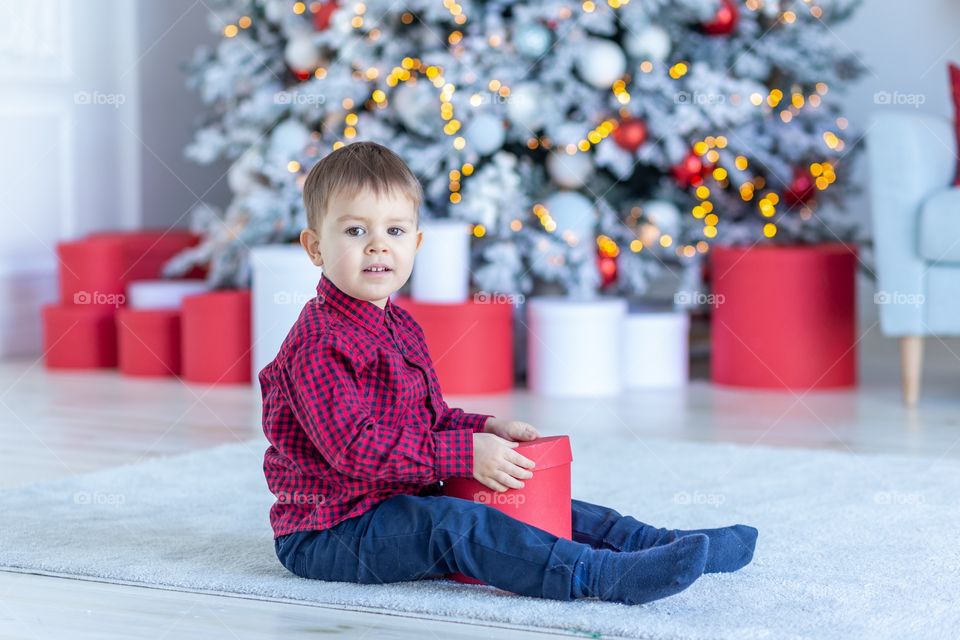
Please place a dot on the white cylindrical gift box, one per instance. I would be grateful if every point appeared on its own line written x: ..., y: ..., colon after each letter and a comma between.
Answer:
x: 441, y: 272
x: 284, y: 279
x: 656, y: 351
x: 573, y: 346
x: 161, y: 294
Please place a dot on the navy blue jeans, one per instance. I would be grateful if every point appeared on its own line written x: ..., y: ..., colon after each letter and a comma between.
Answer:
x: 411, y: 537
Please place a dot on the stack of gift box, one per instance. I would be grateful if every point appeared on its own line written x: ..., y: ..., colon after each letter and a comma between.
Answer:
x: 115, y: 310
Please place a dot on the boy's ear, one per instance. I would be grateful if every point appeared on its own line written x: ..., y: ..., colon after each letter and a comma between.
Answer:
x: 311, y: 244
x: 419, y: 238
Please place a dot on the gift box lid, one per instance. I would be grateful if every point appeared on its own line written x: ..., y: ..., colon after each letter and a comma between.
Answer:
x: 547, y: 452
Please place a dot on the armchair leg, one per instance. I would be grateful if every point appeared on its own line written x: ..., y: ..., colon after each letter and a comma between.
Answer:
x: 911, y: 364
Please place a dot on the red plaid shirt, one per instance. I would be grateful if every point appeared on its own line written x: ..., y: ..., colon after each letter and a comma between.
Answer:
x: 354, y: 414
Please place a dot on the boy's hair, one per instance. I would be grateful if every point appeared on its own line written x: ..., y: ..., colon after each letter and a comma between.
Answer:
x: 354, y: 167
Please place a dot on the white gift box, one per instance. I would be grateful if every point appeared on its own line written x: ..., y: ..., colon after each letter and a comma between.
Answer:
x: 574, y: 346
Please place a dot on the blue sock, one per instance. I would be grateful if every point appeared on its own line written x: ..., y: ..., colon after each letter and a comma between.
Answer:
x: 731, y: 548
x: 637, y: 577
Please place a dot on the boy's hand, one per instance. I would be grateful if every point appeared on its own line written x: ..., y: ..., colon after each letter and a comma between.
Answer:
x: 510, y: 429
x: 496, y: 465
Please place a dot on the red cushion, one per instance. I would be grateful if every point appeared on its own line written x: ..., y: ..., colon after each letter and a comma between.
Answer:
x: 955, y: 91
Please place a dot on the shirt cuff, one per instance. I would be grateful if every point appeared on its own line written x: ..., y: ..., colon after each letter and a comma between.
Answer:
x: 454, y: 449
x: 459, y: 419
x: 475, y: 421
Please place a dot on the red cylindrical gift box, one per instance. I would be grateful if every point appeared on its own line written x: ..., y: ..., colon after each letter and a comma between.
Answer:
x: 96, y: 269
x: 149, y: 341
x: 79, y: 337
x: 474, y: 332
x: 784, y: 316
x: 544, y: 500
x: 215, y: 337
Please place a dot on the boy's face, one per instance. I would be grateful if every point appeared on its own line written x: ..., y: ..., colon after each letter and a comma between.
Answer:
x: 363, y: 231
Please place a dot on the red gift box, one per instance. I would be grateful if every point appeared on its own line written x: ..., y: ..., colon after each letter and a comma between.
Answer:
x: 215, y: 337
x: 477, y: 333
x: 96, y: 270
x: 784, y: 317
x: 544, y: 500
x: 149, y: 342
x: 79, y: 337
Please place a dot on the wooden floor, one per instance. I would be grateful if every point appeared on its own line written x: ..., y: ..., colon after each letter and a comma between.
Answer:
x: 59, y: 424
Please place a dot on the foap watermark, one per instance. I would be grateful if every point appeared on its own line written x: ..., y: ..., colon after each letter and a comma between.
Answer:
x: 899, y: 298
x: 99, y: 298
x: 297, y: 98
x: 299, y: 497
x: 697, y: 298
x: 898, y: 498
x: 98, y: 498
x: 699, y: 98
x: 500, y: 498
x: 488, y: 297
x: 97, y: 98
x: 699, y: 498
x: 899, y: 98
x: 291, y: 297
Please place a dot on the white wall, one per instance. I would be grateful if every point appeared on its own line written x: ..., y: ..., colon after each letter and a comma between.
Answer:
x: 169, y: 31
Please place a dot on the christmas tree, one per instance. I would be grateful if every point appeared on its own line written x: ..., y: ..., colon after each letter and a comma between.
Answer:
x: 590, y: 145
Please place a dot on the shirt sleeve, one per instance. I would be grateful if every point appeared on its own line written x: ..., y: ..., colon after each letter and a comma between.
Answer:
x: 325, y: 396
x: 449, y: 418
x: 453, y: 418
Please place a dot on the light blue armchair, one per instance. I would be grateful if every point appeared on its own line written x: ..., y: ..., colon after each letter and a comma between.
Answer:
x: 916, y: 230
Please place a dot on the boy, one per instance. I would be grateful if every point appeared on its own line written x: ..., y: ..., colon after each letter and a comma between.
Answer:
x: 360, y: 434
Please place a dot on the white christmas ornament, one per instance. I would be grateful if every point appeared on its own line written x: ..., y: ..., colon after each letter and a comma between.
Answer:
x: 569, y: 171
x: 523, y: 106
x: 289, y: 138
x: 301, y: 54
x: 601, y: 63
x: 485, y: 134
x: 650, y: 43
x: 276, y: 10
x: 532, y: 40
x: 664, y: 214
x: 572, y: 212
x: 414, y: 104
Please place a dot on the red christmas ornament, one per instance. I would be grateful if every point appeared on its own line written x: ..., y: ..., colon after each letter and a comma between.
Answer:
x: 608, y: 270
x: 321, y: 18
x: 690, y: 171
x: 630, y: 134
x: 801, y: 188
x: 724, y: 21
x: 300, y: 74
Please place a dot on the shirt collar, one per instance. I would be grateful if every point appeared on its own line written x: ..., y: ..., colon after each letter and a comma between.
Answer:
x: 363, y: 312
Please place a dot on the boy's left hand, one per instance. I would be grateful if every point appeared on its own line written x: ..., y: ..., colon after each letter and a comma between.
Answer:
x: 513, y: 430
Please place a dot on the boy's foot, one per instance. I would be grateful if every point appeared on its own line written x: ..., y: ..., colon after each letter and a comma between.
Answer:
x: 643, y: 576
x: 731, y: 548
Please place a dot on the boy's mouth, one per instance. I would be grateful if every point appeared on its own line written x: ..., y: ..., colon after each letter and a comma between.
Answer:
x: 377, y: 268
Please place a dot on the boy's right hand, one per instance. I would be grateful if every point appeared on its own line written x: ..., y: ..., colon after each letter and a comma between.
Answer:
x: 496, y: 465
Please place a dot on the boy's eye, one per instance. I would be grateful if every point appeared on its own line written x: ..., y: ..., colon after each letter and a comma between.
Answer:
x: 359, y: 231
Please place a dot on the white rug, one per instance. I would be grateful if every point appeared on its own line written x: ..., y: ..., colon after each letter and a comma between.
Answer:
x: 849, y: 547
